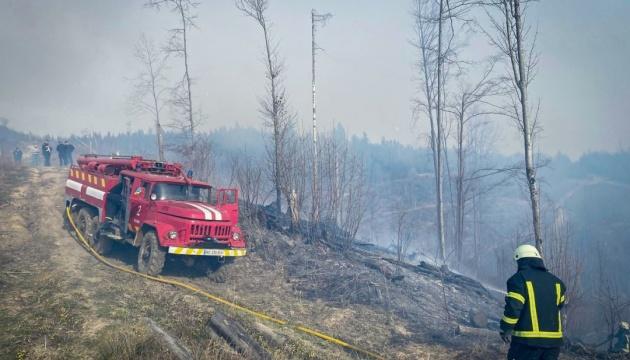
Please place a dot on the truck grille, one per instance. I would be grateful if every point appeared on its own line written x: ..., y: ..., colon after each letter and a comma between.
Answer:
x: 201, y: 231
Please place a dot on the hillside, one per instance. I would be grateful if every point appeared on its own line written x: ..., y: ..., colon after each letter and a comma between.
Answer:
x: 57, y: 301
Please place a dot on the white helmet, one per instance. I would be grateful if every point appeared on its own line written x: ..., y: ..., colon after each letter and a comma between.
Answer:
x: 526, y: 251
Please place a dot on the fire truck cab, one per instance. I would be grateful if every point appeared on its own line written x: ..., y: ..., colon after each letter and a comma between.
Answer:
x: 154, y: 206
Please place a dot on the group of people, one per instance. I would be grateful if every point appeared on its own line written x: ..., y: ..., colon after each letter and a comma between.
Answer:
x: 64, y: 150
x: 64, y: 153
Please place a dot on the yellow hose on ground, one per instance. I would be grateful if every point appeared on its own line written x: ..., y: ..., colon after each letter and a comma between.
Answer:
x: 220, y: 300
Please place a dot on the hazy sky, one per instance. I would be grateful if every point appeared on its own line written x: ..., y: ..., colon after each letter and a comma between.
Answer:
x: 64, y: 67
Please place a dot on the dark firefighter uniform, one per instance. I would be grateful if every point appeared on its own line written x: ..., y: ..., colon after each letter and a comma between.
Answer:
x: 532, y: 311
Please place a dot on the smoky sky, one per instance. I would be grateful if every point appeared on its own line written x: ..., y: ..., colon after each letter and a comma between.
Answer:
x: 66, y: 65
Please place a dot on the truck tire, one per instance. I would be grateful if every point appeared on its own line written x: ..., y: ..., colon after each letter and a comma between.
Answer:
x: 100, y: 243
x: 151, y: 255
x: 88, y: 225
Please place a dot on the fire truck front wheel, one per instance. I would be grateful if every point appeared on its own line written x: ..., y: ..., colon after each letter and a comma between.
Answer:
x: 151, y: 256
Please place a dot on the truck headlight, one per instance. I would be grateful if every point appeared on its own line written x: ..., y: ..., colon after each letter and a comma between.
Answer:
x: 172, y: 235
x: 236, y: 236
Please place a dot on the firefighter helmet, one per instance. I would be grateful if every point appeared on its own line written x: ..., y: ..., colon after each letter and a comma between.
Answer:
x: 525, y: 251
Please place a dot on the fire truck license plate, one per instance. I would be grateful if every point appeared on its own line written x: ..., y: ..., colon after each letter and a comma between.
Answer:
x: 213, y: 252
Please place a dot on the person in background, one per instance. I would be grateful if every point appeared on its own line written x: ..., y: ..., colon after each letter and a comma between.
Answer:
x: 531, y: 321
x: 17, y: 156
x: 61, y: 153
x: 622, y: 338
x: 46, y: 152
x: 69, y: 148
x: 35, y: 155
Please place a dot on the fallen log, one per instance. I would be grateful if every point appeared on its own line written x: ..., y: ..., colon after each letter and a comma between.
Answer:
x: 382, y: 265
x: 471, y: 331
x: 236, y: 335
x: 180, y: 351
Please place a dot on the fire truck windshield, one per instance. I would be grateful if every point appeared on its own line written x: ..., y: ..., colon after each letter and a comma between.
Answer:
x: 181, y: 192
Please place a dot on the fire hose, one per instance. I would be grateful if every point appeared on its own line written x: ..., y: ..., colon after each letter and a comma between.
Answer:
x: 220, y: 300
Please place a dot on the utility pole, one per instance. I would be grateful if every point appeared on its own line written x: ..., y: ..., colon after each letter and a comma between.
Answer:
x: 315, y: 19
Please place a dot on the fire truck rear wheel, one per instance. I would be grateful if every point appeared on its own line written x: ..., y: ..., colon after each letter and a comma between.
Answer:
x: 88, y: 225
x: 150, y: 256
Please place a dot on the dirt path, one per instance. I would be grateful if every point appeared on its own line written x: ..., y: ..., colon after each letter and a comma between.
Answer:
x: 57, y: 301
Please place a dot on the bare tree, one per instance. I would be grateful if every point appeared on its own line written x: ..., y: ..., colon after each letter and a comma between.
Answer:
x: 249, y: 174
x: 181, y: 101
x: 274, y: 106
x: 149, y: 87
x: 343, y: 190
x: 466, y: 106
x: 315, y: 199
x: 564, y: 260
x: 429, y: 41
x: 510, y: 37
x: 434, y: 22
x: 403, y: 223
x: 204, y: 159
x: 294, y: 172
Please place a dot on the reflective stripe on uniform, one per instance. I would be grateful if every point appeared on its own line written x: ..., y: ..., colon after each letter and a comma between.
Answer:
x: 559, y: 299
x: 509, y: 320
x: 532, y: 306
x: 517, y: 296
x: 539, y: 334
x: 558, y: 291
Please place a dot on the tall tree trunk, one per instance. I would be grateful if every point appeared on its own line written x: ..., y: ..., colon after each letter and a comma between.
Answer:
x: 459, y: 228
x: 276, y: 124
x: 158, y: 126
x: 530, y: 171
x: 315, y: 197
x: 440, y: 210
x: 188, y: 86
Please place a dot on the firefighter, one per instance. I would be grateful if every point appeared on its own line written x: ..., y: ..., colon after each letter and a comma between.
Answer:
x: 623, y: 338
x: 61, y: 153
x: 17, y: 155
x: 69, y: 148
x: 46, y: 152
x: 531, y: 321
x: 34, y: 154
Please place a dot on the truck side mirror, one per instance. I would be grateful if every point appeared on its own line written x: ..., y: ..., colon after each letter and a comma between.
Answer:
x: 154, y: 196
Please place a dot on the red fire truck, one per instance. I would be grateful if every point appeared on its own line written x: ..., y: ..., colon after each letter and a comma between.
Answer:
x: 154, y: 206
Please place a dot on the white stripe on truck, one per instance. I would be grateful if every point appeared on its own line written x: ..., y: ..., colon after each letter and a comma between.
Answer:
x: 217, y: 213
x: 74, y: 185
x: 95, y: 193
x: 206, y: 213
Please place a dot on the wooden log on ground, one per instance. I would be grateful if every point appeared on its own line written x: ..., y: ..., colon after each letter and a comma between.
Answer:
x: 179, y: 350
x: 471, y: 331
x: 237, y: 336
x: 381, y: 265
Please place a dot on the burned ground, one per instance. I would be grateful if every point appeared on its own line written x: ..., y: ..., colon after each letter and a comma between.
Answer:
x: 57, y: 301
